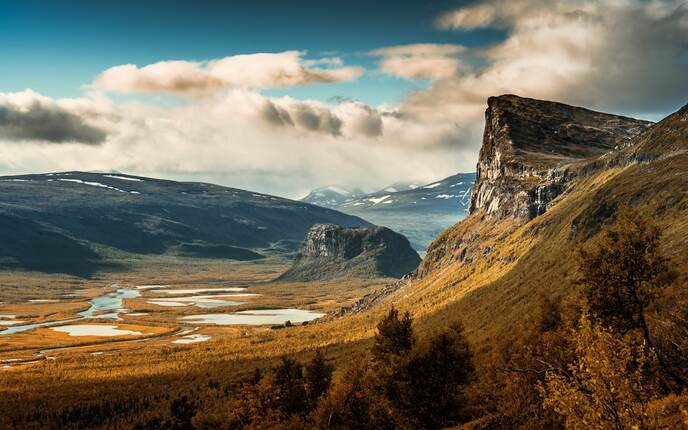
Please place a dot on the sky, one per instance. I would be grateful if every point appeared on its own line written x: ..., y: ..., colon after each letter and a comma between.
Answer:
x: 283, y: 97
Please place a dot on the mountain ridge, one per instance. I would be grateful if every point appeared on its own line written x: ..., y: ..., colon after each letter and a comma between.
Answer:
x: 529, y: 144
x: 490, y: 271
x: 440, y: 203
x: 94, y: 214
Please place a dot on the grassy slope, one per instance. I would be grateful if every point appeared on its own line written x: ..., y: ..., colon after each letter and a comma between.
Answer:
x: 492, y: 287
x: 491, y: 295
x: 515, y: 264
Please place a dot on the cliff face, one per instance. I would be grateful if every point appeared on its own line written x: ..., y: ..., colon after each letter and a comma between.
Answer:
x: 332, y: 251
x: 530, y: 150
x: 489, y: 271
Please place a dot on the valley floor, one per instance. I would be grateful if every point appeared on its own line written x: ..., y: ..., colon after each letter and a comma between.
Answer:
x: 145, y: 337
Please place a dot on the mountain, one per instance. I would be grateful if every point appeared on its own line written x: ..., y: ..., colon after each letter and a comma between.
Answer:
x: 451, y: 194
x: 331, y: 196
x: 531, y: 148
x: 72, y: 222
x: 420, y: 212
x: 401, y: 186
x: 549, y: 177
x: 330, y: 251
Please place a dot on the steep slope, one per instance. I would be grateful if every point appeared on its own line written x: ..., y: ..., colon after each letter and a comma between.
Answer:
x: 491, y: 270
x: 330, y: 251
x: 70, y: 222
x: 528, y: 146
x: 420, y: 212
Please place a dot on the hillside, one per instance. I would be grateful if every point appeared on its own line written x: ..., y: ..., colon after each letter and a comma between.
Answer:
x: 72, y: 222
x: 402, y: 206
x: 492, y: 269
x: 491, y: 272
x: 331, y: 251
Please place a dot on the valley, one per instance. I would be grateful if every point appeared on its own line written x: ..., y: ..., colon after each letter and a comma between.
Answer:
x: 388, y: 215
x: 208, y: 300
x: 172, y: 326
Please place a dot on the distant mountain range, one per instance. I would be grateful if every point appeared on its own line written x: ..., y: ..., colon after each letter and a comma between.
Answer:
x: 72, y: 222
x: 419, y: 211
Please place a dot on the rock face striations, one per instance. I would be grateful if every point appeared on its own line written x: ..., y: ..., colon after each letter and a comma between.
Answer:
x: 531, y: 148
x: 331, y: 251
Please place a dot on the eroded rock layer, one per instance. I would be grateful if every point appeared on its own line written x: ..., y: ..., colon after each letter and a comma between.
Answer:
x: 331, y: 251
x: 529, y: 147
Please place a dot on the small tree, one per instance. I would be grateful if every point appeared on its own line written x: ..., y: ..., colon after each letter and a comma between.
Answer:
x: 349, y: 404
x: 621, y: 272
x: 436, y: 373
x: 290, y: 392
x: 603, y: 388
x: 394, y: 336
x: 318, y: 377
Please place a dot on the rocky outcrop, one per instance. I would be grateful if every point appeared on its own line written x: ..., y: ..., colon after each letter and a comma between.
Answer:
x: 331, y: 251
x: 531, y: 148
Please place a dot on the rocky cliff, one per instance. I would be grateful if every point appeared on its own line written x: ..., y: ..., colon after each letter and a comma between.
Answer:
x: 489, y: 270
x: 332, y: 251
x: 531, y: 149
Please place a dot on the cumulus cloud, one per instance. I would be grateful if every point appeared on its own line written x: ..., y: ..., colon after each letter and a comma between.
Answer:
x: 28, y: 116
x: 616, y: 54
x: 348, y: 119
x: 421, y: 61
x: 475, y: 16
x: 261, y: 70
x: 242, y: 138
x: 623, y: 56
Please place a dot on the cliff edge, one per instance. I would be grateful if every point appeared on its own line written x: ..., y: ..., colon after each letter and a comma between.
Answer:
x: 331, y: 251
x: 531, y: 147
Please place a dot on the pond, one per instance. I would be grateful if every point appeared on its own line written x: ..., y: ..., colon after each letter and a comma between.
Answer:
x: 255, y: 317
x: 203, y: 290
x: 8, y: 320
x: 202, y: 301
x: 109, y: 302
x: 192, y: 338
x: 78, y: 330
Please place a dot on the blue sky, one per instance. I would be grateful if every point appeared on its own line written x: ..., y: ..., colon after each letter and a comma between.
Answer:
x: 56, y: 47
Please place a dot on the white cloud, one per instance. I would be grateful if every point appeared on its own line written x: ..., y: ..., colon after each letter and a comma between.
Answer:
x: 615, y: 54
x: 262, y: 70
x: 468, y: 18
x: 241, y: 138
x: 623, y: 56
x: 419, y: 49
x: 421, y: 60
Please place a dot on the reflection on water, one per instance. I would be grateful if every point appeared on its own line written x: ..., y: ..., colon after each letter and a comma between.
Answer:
x: 255, y: 317
x: 108, y: 302
x: 202, y: 301
x: 192, y: 338
x: 94, y: 330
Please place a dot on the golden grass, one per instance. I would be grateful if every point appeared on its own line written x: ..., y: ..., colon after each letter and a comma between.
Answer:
x: 490, y: 275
